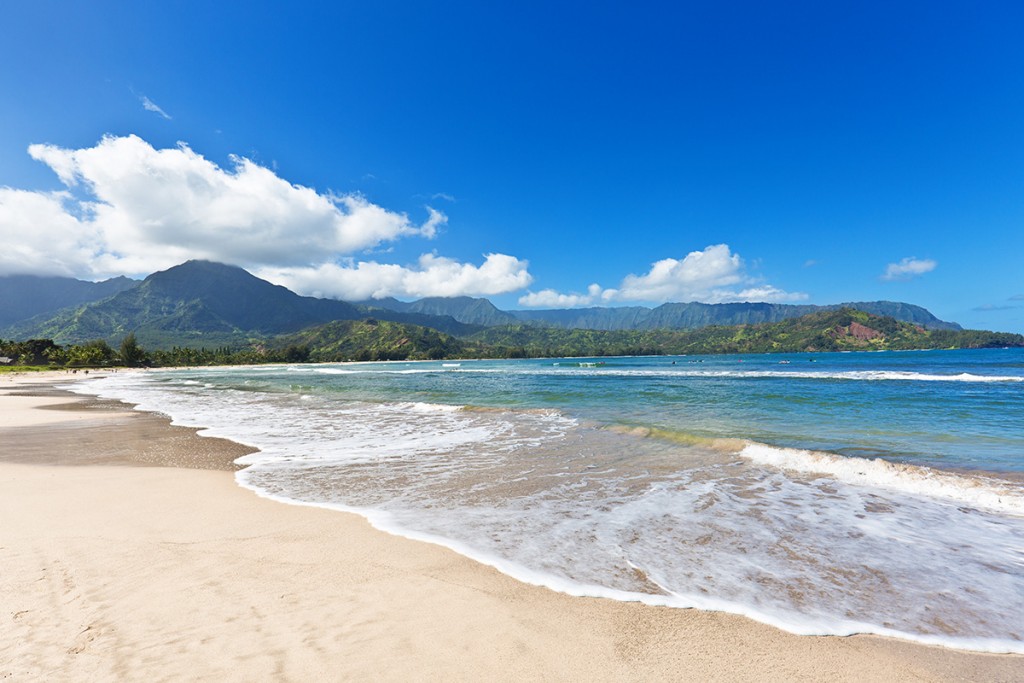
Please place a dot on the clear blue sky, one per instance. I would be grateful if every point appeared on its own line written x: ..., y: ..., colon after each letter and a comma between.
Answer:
x: 838, y: 151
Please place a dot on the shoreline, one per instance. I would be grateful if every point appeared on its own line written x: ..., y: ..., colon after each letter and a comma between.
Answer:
x: 166, y: 571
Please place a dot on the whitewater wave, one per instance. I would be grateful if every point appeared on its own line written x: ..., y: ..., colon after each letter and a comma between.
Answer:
x: 976, y: 491
x: 812, y: 542
x: 797, y: 624
x: 419, y: 407
x: 852, y: 375
x: 375, y: 371
x: 609, y: 371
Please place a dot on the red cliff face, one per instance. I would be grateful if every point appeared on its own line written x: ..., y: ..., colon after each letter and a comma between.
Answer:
x: 857, y: 331
x: 862, y: 332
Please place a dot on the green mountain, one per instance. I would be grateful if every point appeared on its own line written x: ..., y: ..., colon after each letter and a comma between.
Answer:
x: 464, y: 309
x: 468, y: 310
x: 595, y: 318
x: 668, y: 316
x: 203, y: 303
x: 212, y: 305
x: 375, y: 340
x: 842, y: 330
x: 696, y: 315
x: 839, y: 330
x: 692, y: 315
x: 26, y: 296
x: 371, y: 339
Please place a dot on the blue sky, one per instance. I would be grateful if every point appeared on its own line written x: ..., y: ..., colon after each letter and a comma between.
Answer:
x: 580, y: 154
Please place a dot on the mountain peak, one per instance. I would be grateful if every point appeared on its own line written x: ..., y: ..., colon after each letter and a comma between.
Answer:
x: 26, y: 296
x: 201, y: 266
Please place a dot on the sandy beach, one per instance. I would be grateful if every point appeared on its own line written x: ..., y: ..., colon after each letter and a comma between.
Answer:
x: 129, y: 553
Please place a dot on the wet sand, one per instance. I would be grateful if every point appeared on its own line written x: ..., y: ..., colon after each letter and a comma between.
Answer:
x: 129, y: 553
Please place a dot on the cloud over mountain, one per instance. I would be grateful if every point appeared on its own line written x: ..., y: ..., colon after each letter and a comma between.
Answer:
x: 129, y: 208
x: 712, y: 275
x: 432, y: 276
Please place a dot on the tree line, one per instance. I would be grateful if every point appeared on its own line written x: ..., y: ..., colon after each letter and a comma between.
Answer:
x: 98, y: 353
x: 379, y: 340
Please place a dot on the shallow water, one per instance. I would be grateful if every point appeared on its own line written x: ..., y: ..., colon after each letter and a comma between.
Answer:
x: 833, y: 493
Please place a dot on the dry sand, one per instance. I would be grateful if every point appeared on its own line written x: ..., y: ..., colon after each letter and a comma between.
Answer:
x: 113, y: 571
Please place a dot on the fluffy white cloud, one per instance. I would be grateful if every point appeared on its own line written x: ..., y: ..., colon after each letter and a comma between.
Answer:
x: 549, y: 298
x: 690, y: 279
x: 432, y: 276
x: 763, y: 293
x: 710, y: 276
x: 133, y: 209
x: 908, y: 268
x: 153, y: 208
x: 39, y: 235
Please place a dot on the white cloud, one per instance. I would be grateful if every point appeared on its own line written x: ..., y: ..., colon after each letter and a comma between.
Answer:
x: 908, y: 268
x: 432, y: 276
x: 132, y: 209
x: 764, y: 293
x: 148, y: 200
x: 711, y: 276
x: 549, y: 298
x: 692, y: 278
x: 40, y: 236
x: 150, y: 105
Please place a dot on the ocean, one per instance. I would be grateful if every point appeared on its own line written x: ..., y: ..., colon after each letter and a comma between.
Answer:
x: 831, y: 493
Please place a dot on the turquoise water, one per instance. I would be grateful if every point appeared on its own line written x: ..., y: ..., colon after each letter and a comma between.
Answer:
x: 891, y: 405
x: 822, y: 493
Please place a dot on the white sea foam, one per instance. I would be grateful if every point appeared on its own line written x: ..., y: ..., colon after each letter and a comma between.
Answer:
x: 417, y: 407
x: 589, y: 369
x: 977, y: 491
x: 867, y: 547
x: 749, y: 546
x: 374, y: 371
x: 392, y: 524
x: 852, y: 375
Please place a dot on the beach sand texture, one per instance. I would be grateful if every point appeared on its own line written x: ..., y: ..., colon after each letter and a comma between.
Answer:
x: 127, y: 552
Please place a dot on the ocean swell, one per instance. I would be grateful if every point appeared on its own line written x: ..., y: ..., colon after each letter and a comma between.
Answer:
x: 978, y: 491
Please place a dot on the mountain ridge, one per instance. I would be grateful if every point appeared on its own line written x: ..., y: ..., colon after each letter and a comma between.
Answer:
x: 208, y: 303
x: 25, y: 296
x: 691, y: 315
x: 202, y: 301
